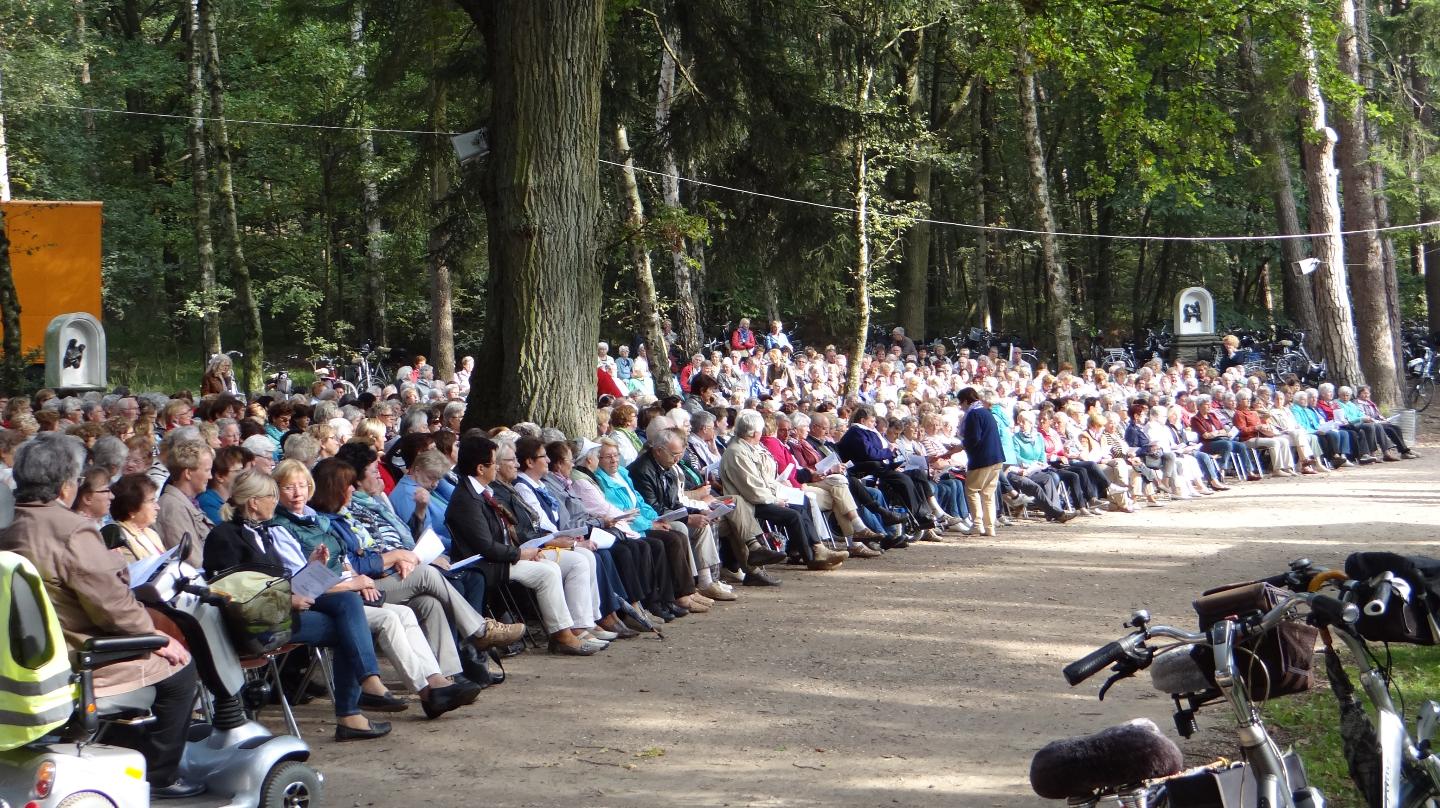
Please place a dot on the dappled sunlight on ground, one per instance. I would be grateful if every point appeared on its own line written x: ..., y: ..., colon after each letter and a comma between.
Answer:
x: 927, y: 677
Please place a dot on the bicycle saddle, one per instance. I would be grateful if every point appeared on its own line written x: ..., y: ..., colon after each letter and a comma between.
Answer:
x: 1112, y: 758
x: 1285, y: 343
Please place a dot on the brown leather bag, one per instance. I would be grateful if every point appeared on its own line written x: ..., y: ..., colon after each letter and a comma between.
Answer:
x: 1275, y: 664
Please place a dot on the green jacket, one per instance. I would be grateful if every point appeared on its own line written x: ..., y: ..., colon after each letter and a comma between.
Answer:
x: 312, y: 530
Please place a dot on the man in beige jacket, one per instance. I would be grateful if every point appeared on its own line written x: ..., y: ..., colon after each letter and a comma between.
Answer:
x: 748, y: 471
x: 89, y: 588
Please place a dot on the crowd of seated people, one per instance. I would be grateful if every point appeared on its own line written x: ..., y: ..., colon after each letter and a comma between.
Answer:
x: 758, y: 464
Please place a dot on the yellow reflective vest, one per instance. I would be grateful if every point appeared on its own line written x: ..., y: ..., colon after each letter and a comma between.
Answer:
x: 37, y: 693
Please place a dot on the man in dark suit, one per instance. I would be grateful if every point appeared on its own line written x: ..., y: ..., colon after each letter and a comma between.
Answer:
x: 479, y: 525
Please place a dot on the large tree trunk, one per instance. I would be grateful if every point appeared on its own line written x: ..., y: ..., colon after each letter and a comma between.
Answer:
x: 252, y: 366
x: 1377, y: 170
x: 1299, y: 297
x: 1335, y: 325
x: 687, y: 308
x: 914, y: 273
x: 860, y: 163
x: 543, y: 206
x: 200, y: 173
x: 991, y: 311
x: 437, y: 246
x: 1057, y: 283
x: 378, y: 319
x: 1369, y: 300
x: 644, y: 274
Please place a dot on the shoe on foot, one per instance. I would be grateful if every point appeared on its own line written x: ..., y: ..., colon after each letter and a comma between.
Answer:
x: 499, y: 634
x: 388, y: 703
x: 180, y: 789
x: 714, y: 591
x: 890, y: 518
x: 377, y: 729
x: 577, y: 648
x: 760, y: 555
x: 862, y: 550
x: 730, y: 576
x: 759, y: 577
x: 1410, y: 456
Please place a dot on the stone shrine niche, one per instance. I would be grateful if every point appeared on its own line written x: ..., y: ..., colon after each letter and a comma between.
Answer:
x: 75, y: 353
x: 1194, y: 312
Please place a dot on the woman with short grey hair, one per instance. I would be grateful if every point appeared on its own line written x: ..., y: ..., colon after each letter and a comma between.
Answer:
x: 749, y: 424
x: 109, y: 452
x: 45, y: 465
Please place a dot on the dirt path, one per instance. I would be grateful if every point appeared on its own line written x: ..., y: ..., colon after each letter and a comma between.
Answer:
x: 927, y: 677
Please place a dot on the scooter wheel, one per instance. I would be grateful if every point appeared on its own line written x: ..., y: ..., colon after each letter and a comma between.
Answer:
x: 291, y: 784
x: 86, y: 799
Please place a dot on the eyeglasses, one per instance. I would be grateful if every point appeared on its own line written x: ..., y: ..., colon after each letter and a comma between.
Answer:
x: 541, y: 457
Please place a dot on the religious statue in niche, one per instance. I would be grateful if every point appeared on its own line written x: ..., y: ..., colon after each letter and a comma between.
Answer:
x: 74, y: 354
x: 1192, y: 313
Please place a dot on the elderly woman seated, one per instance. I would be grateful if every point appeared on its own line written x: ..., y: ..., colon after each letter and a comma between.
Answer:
x: 1256, y: 432
x: 1391, y: 431
x: 1364, y: 437
x: 396, y: 571
x: 250, y: 524
x: 748, y: 472
x: 823, y: 493
x: 87, y: 587
x: 1335, y: 443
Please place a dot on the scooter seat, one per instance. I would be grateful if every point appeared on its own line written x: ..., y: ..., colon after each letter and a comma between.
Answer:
x: 123, y: 706
x: 1116, y: 757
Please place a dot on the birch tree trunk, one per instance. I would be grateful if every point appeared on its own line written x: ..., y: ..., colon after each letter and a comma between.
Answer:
x: 200, y: 172
x: 860, y: 163
x: 1335, y: 325
x: 252, y: 369
x: 378, y: 320
x: 545, y: 59
x: 1365, y: 263
x: 1057, y: 282
x: 4, y: 150
x: 687, y: 308
x: 644, y: 272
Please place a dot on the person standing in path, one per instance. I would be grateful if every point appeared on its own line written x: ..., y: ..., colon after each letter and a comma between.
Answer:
x: 981, y: 438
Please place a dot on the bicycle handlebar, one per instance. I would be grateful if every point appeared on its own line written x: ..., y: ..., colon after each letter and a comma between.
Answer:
x: 1096, y: 661
x: 1380, y: 595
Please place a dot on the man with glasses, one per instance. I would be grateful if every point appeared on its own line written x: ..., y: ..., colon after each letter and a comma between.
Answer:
x: 657, y: 480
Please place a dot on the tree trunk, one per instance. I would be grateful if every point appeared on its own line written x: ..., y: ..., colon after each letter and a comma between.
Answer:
x: 9, y: 302
x: 1378, y: 182
x: 988, y: 241
x: 4, y: 150
x: 437, y: 246
x: 252, y: 365
x: 860, y: 162
x: 1362, y: 249
x: 1057, y: 283
x: 545, y: 60
x: 644, y: 275
x: 1335, y: 325
x: 1299, y: 296
x: 686, y: 308
x: 378, y: 320
x: 200, y: 173
x: 914, y: 274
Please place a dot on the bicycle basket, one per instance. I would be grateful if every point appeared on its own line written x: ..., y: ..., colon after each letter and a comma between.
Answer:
x: 1277, y: 663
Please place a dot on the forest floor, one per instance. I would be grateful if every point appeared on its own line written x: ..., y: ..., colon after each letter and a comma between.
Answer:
x: 927, y: 677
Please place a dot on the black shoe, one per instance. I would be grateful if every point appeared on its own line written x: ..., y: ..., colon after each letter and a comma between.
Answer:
x: 472, y: 665
x: 677, y: 610
x: 378, y: 729
x: 444, y: 699
x: 178, y: 790
x: 760, y: 555
x: 893, y: 542
x: 387, y: 703
x: 758, y: 577
x: 513, y: 649
x: 890, y: 518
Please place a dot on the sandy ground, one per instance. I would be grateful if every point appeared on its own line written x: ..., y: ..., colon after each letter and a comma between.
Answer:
x: 927, y: 677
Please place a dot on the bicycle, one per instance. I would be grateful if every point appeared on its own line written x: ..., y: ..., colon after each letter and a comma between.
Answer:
x: 1420, y: 380
x: 1115, y: 770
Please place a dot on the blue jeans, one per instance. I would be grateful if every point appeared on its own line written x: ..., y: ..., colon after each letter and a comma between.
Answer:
x: 470, y: 583
x: 1224, y: 448
x: 1208, y: 469
x: 950, y: 493
x: 870, y: 519
x: 612, y: 590
x: 337, y: 621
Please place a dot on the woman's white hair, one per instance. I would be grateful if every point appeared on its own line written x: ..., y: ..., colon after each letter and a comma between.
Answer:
x: 749, y: 423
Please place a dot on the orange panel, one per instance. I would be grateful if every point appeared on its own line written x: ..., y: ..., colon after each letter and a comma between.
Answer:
x: 55, y: 257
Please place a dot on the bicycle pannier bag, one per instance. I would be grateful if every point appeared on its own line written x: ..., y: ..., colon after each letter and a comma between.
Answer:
x: 1276, y: 664
x: 257, y: 610
x: 1403, y: 620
